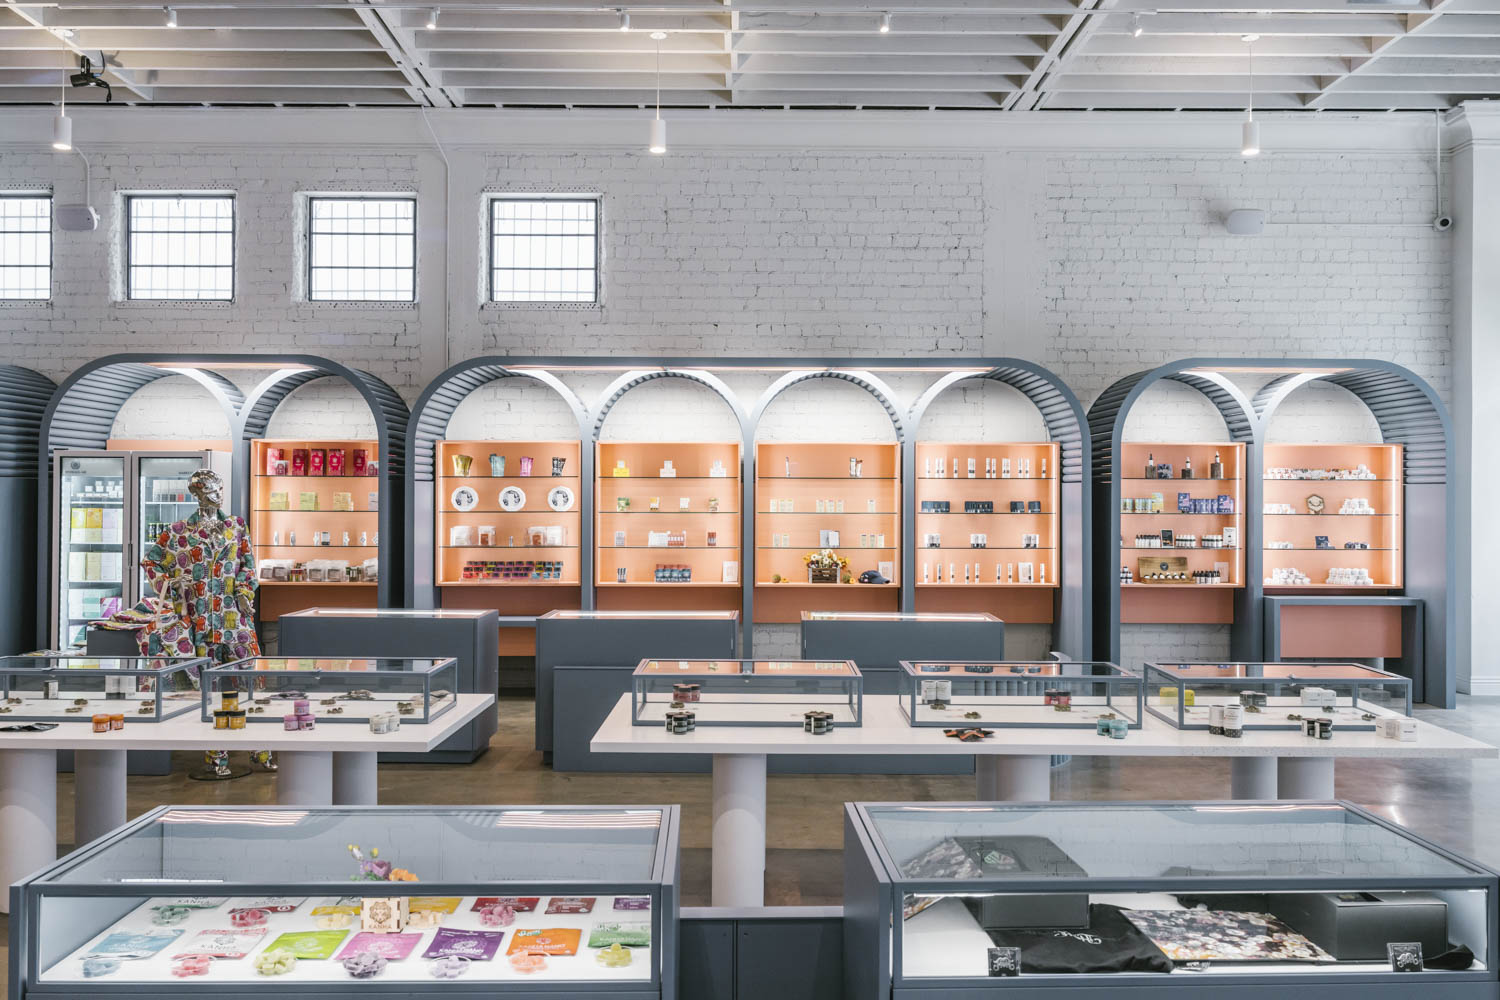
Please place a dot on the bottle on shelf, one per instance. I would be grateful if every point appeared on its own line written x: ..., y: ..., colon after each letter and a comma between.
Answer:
x: 1216, y: 470
x: 1150, y: 466
x: 1187, y: 467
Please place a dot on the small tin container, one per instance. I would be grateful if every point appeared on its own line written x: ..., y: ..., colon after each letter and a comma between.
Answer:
x: 1234, y: 721
x: 101, y: 723
x: 687, y: 692
x: 51, y: 689
x: 1216, y: 720
x: 1325, y: 728
x: 306, y: 721
x: 229, y: 701
x: 1117, y: 729
x: 236, y: 719
x: 299, y: 707
x: 288, y: 722
x: 221, y: 719
x: 117, y: 721
x: 1253, y: 701
x: 817, y: 723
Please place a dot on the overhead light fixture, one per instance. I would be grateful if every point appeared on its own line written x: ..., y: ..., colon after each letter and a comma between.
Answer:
x: 885, y: 23
x: 432, y: 18
x: 624, y: 19
x: 171, y: 17
x: 1137, y: 26
x: 657, y: 142
x: 1250, y: 131
x: 62, y: 126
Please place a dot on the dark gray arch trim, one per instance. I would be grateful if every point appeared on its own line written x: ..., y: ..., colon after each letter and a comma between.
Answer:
x: 428, y: 425
x: 24, y: 395
x: 1409, y: 412
x: 1106, y: 429
x: 83, y: 409
x: 1066, y: 425
x: 865, y: 380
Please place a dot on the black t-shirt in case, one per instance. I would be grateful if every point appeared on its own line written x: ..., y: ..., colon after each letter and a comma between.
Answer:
x: 1110, y: 943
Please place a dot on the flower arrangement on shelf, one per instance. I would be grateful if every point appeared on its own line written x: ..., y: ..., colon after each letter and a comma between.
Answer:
x: 825, y: 566
x: 372, y: 869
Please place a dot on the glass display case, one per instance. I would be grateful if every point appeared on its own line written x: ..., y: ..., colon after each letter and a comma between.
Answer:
x: 78, y: 688
x: 1261, y: 900
x: 333, y: 689
x: 1276, y: 695
x: 1021, y: 694
x: 205, y: 901
x: 747, y: 692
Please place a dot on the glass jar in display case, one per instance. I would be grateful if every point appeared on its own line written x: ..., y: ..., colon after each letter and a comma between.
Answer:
x: 245, y: 901
x: 1281, y: 696
x: 279, y: 688
x: 1021, y: 695
x: 748, y: 692
x: 77, y: 688
x: 949, y: 900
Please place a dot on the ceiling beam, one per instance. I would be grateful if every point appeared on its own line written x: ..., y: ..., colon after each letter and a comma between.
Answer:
x: 1413, y: 23
x: 405, y: 58
x: 36, y: 17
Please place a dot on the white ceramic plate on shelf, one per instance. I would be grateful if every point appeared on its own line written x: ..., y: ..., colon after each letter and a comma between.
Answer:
x: 464, y: 498
x: 560, y: 498
x: 512, y: 498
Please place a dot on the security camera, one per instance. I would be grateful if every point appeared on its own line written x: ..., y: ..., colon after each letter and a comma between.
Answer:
x: 1442, y: 223
x: 86, y: 77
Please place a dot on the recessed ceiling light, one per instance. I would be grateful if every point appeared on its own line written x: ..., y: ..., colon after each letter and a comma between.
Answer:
x: 1137, y: 28
x: 432, y: 18
x: 885, y: 23
x: 624, y: 19
x: 171, y: 17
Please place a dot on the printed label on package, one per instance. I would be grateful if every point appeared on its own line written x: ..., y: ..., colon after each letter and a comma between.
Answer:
x: 632, y: 902
x: 190, y: 902
x: 1005, y: 961
x: 221, y: 943
x: 570, y: 904
x: 271, y: 904
x: 391, y: 947
x: 477, y: 946
x: 521, y: 904
x: 627, y: 934
x: 1405, y: 956
x: 309, y: 944
x: 546, y: 941
x: 124, y: 944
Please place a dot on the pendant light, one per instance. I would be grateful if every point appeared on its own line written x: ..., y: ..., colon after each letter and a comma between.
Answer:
x: 885, y: 23
x: 624, y: 19
x: 432, y: 18
x: 62, y: 126
x: 658, y: 139
x: 1137, y: 26
x: 1250, y: 131
x: 171, y: 17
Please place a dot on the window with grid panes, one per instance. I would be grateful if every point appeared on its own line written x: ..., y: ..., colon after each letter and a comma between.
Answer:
x: 179, y: 247
x: 25, y: 247
x: 362, y: 249
x: 544, y: 250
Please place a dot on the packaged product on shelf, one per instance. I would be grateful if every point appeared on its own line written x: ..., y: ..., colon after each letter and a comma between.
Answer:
x: 545, y: 941
x: 476, y: 946
x: 335, y: 461
x: 299, y: 461
x: 630, y: 934
x: 276, y: 464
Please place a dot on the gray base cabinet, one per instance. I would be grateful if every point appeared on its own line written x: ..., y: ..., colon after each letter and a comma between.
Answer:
x: 470, y: 637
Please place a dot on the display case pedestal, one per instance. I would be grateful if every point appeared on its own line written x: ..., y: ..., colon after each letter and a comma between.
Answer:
x: 355, y: 781
x: 739, y: 830
x: 1304, y: 778
x: 305, y: 778
x: 1013, y: 778
x: 1252, y: 777
x: 28, y: 815
x: 99, y: 793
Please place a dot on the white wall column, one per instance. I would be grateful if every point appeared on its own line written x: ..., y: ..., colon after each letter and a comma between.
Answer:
x: 1476, y: 370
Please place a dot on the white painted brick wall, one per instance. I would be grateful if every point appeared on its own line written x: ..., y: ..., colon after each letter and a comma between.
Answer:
x: 749, y: 252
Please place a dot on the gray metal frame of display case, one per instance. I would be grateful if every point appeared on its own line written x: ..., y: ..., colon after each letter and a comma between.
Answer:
x: 25, y: 922
x: 82, y: 412
x: 911, y: 691
x: 1059, y: 409
x: 855, y: 680
x: 24, y: 395
x: 473, y: 640
x: 1413, y: 629
x: 1254, y: 722
x: 608, y: 650
x: 871, y: 903
x: 1408, y: 412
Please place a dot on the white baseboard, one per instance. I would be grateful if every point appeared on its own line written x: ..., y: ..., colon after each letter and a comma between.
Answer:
x: 1484, y: 686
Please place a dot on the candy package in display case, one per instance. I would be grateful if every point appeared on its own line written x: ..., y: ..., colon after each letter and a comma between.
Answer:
x: 1257, y: 899
x: 1022, y: 694
x: 1278, y: 696
x: 282, y: 689
x: 816, y: 695
x: 79, y: 688
x: 476, y: 900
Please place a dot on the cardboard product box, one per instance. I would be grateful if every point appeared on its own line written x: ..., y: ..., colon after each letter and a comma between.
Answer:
x: 1355, y: 926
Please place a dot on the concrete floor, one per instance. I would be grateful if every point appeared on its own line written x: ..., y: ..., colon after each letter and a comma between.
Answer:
x: 1444, y: 801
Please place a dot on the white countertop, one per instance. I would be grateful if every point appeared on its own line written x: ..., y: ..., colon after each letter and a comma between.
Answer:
x: 188, y: 732
x: 885, y: 731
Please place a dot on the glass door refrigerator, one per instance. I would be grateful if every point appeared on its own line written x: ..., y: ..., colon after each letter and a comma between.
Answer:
x: 109, y: 506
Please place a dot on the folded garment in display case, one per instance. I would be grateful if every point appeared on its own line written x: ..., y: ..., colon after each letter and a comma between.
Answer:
x: 1020, y: 694
x: 1281, y: 696
x: 527, y: 901
x: 1273, y: 899
x: 748, y: 692
x: 77, y: 688
x: 281, y: 688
